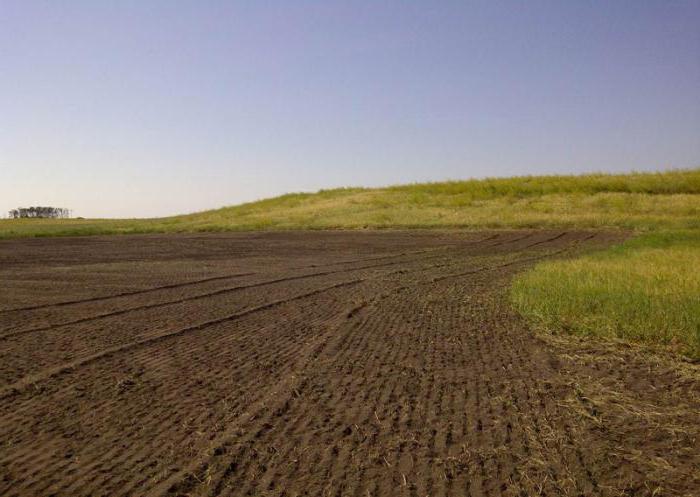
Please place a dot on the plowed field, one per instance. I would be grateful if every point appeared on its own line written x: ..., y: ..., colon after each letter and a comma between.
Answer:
x: 320, y: 364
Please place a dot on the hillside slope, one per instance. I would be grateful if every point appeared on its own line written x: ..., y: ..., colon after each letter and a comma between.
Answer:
x: 644, y: 201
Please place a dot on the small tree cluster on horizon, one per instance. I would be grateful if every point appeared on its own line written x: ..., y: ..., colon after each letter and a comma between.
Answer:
x: 40, y: 212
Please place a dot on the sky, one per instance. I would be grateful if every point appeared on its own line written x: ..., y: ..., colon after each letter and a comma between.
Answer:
x: 152, y: 108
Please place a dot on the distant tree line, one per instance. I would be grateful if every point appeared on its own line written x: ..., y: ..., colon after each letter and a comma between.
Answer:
x: 40, y: 212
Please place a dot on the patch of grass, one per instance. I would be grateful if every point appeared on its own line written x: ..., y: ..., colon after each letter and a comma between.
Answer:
x: 646, y: 290
x: 641, y: 201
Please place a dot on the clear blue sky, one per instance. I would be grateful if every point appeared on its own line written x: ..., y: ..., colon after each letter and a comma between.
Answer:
x: 144, y: 108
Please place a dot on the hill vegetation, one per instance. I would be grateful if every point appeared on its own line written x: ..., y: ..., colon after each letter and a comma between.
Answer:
x: 669, y: 200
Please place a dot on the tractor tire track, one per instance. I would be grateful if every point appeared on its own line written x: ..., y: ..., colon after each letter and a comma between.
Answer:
x: 206, y: 294
x: 416, y: 379
x: 18, y: 386
x: 125, y: 294
x: 58, y: 369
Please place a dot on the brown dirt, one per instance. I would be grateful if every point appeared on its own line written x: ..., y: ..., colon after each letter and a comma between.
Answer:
x: 320, y: 364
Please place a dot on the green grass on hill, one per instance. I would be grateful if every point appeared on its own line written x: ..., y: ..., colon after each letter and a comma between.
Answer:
x: 633, y: 201
x: 646, y: 290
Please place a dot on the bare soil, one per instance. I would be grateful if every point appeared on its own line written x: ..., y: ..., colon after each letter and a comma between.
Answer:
x: 321, y: 364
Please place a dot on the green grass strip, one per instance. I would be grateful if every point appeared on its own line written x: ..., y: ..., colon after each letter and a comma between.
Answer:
x: 646, y: 290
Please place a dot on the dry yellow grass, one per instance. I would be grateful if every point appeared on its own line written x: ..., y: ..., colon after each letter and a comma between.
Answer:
x: 635, y: 201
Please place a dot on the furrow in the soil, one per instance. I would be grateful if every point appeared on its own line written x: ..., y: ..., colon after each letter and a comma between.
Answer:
x: 57, y: 369
x: 508, y: 241
x: 262, y: 418
x: 390, y: 323
x: 301, y: 421
x: 206, y: 295
x: 210, y: 279
x: 351, y: 348
x: 22, y: 358
x: 407, y: 381
x: 524, y: 260
x: 373, y: 362
x: 296, y: 392
x: 368, y: 386
x: 548, y: 240
x: 221, y: 375
x: 85, y: 341
x: 126, y: 294
x: 14, y: 388
x: 467, y: 244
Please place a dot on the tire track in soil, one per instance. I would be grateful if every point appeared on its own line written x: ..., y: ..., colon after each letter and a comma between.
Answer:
x: 406, y: 383
x: 492, y: 465
x: 203, y: 280
x: 126, y: 294
x: 35, y: 377
x: 223, y: 351
x: 205, y: 295
x: 24, y: 383
x: 218, y: 489
x: 38, y: 359
x: 573, y: 246
x: 65, y: 345
x: 208, y: 294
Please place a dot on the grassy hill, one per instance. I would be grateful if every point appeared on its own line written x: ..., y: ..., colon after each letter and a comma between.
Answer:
x: 646, y: 291
x: 634, y: 201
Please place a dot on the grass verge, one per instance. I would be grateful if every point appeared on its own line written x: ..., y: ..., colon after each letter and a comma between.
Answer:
x: 646, y: 290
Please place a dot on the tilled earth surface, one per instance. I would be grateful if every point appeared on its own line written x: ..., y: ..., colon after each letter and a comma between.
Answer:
x: 320, y: 364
